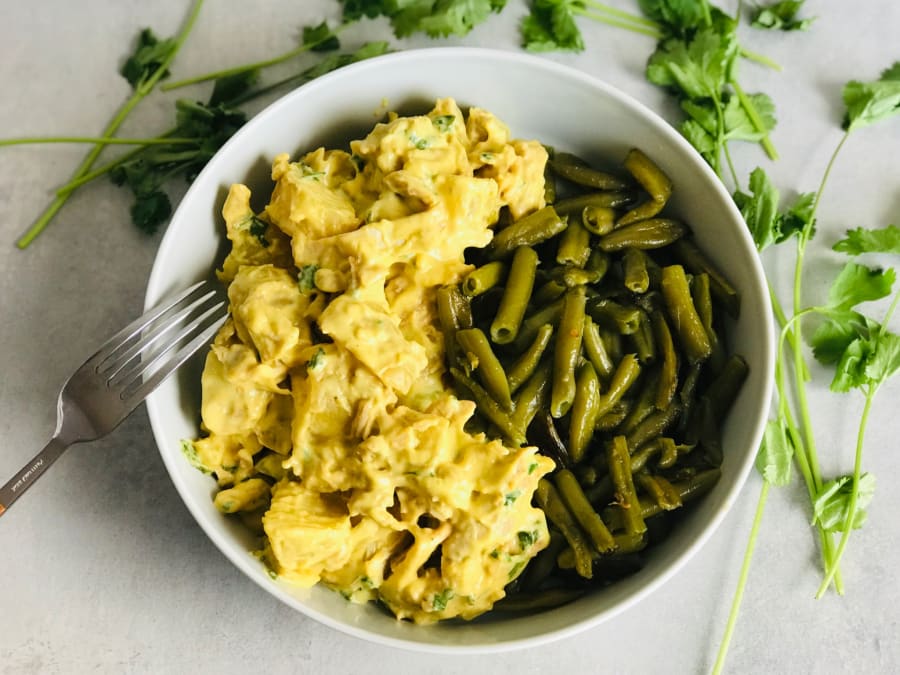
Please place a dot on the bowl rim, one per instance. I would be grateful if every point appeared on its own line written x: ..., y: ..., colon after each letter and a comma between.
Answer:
x: 242, y: 560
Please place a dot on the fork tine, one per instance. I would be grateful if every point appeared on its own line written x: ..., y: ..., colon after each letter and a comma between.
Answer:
x: 136, y: 390
x: 123, y: 365
x: 116, y: 342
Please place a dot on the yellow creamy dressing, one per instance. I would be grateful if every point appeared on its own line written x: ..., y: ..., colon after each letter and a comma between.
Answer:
x: 325, y: 396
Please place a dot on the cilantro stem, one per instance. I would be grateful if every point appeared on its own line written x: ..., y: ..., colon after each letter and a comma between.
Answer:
x: 727, y: 152
x: 143, y: 88
x: 857, y: 464
x: 627, y: 16
x: 761, y: 59
x: 106, y: 168
x: 742, y: 580
x: 655, y: 33
x: 98, y: 140
x: 258, y: 65
x: 753, y: 114
x: 854, y: 494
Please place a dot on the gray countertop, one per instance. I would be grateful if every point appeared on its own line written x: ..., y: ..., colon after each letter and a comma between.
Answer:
x: 102, y: 569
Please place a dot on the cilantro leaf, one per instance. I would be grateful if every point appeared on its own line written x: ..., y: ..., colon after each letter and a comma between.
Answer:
x: 775, y: 454
x: 739, y: 126
x: 780, y: 16
x: 675, y: 16
x: 321, y: 37
x: 306, y: 280
x: 550, y: 26
x: 857, y: 283
x: 150, y: 210
x: 701, y: 127
x: 832, y: 504
x: 258, y: 229
x: 835, y: 334
x: 870, y: 102
x: 354, y: 10
x: 865, y: 240
x: 229, y: 88
x: 439, y: 600
x: 438, y: 18
x: 147, y: 58
x: 885, y: 359
x: 697, y: 68
x: 867, y: 361
x: 760, y: 210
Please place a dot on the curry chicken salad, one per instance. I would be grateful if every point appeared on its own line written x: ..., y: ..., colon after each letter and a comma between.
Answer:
x: 328, y: 419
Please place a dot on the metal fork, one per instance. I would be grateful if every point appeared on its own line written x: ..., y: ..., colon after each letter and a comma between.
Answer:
x: 123, y: 372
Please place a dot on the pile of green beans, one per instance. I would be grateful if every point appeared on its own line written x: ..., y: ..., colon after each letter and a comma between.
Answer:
x: 593, y: 329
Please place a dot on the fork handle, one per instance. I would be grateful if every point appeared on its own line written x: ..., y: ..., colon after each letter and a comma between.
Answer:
x: 29, y: 473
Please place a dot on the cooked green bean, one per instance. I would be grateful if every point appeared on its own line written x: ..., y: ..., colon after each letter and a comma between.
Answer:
x: 486, y: 364
x: 540, y: 600
x: 689, y: 490
x: 626, y: 373
x: 612, y: 314
x: 454, y: 310
x: 567, y: 351
x: 542, y: 566
x: 634, y: 262
x: 579, y: 506
x: 612, y: 419
x: 587, y: 475
x: 488, y: 407
x: 627, y: 499
x: 668, y: 372
x: 609, y: 200
x: 598, y: 262
x: 598, y: 220
x: 612, y: 340
x: 519, y: 284
x: 549, y: 292
x: 696, y: 261
x: 644, y: 234
x: 691, y: 333
x: 549, y: 184
x: 574, y: 246
x: 534, y: 396
x: 655, y: 424
x: 725, y: 387
x: 570, y: 277
x: 630, y: 543
x: 644, y: 402
x: 707, y: 431
x: 595, y: 349
x: 585, y: 406
x: 483, y: 278
x: 551, y: 503
x: 576, y: 170
x: 665, y: 447
x: 527, y: 231
x: 700, y: 293
x: 653, y: 180
x: 527, y: 362
x: 454, y: 313
x: 642, y: 339
x: 532, y: 324
x: 661, y: 491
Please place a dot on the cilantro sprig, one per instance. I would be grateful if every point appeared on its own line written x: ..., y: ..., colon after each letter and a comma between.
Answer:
x: 435, y: 18
x: 143, y: 69
x: 695, y: 59
x: 780, y: 15
x: 863, y: 351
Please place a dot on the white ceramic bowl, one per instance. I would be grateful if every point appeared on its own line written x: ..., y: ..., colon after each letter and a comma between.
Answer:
x: 537, y: 99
